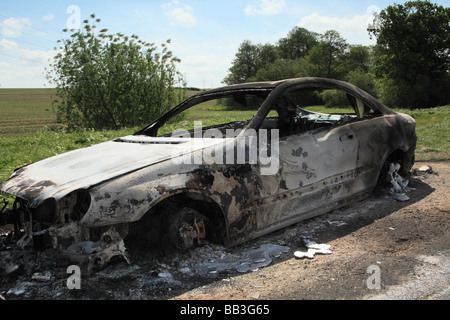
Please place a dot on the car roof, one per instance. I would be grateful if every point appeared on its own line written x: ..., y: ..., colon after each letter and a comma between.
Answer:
x: 316, y: 82
x: 246, y: 86
x: 272, y: 85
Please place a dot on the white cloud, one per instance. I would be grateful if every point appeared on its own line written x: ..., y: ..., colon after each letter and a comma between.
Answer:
x: 7, y: 46
x: 12, y: 27
x: 180, y: 15
x: 204, y: 71
x: 204, y: 64
x: 30, y: 76
x: 353, y: 29
x: 48, y: 17
x: 265, y: 7
x: 35, y: 57
x: 372, y: 9
x: 22, y: 67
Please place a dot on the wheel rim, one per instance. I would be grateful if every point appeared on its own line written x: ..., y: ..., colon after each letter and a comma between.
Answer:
x: 186, y: 236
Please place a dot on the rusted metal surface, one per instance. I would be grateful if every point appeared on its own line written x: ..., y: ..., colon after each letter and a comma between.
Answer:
x: 81, y: 202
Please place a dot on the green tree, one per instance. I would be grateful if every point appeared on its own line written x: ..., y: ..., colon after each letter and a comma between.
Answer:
x: 112, y: 80
x: 363, y: 80
x: 327, y: 58
x: 244, y: 65
x: 297, y: 44
x: 281, y: 69
x: 358, y: 58
x: 249, y: 59
x: 358, y: 68
x: 267, y: 54
x: 413, y: 42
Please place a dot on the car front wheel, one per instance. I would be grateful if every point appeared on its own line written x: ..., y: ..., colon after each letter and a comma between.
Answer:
x: 185, y: 229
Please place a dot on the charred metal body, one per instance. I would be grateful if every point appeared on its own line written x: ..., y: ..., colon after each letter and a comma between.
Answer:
x: 88, y: 203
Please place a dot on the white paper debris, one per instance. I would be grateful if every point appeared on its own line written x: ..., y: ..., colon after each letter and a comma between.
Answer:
x: 313, y: 249
x: 302, y: 254
x: 256, y: 295
x: 314, y: 245
x: 424, y: 169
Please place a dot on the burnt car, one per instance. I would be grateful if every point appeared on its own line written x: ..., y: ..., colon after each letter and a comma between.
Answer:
x: 225, y: 183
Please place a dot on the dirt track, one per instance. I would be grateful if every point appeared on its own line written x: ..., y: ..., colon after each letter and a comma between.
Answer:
x: 404, y: 245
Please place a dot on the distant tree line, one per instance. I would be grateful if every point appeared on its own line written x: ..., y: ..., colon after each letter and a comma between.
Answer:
x: 409, y: 67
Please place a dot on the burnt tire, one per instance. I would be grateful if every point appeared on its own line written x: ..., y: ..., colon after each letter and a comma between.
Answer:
x: 183, y: 229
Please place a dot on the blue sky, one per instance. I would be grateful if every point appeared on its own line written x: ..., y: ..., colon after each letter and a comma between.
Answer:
x: 205, y: 35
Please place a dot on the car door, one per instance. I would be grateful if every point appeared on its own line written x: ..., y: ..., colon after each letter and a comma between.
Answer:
x: 316, y: 171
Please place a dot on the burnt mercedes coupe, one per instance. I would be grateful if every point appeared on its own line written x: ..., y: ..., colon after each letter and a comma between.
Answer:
x: 225, y: 183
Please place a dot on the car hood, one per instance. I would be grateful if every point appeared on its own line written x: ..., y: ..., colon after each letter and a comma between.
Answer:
x: 57, y: 176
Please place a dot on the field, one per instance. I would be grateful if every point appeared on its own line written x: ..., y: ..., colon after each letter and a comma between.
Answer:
x: 29, y: 132
x: 25, y: 110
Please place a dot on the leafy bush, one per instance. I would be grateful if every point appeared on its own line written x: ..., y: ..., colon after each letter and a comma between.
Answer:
x: 111, y: 81
x: 333, y: 98
x: 363, y: 80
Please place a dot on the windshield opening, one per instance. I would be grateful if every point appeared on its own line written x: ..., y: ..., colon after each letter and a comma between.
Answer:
x: 224, y: 111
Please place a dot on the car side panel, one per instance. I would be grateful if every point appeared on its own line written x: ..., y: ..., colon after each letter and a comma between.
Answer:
x: 317, y: 170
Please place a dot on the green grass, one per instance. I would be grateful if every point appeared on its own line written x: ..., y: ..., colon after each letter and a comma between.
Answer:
x: 28, y: 128
x: 433, y: 132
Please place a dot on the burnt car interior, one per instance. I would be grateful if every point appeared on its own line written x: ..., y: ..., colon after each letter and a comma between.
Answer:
x: 294, y: 116
x: 289, y: 114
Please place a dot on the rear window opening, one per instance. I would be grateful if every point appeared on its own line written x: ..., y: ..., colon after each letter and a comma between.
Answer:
x: 308, y: 109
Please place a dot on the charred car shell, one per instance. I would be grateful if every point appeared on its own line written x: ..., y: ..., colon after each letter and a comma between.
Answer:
x: 85, y: 203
